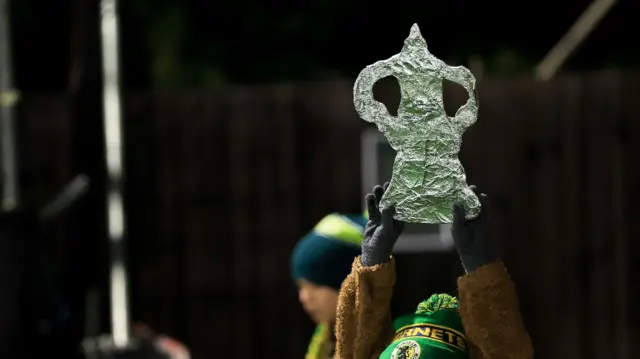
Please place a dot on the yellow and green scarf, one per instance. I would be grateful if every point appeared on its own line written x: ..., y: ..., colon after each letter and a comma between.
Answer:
x: 321, y: 345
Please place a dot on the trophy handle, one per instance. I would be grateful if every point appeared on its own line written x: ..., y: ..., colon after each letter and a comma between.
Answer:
x: 467, y: 114
x: 366, y: 106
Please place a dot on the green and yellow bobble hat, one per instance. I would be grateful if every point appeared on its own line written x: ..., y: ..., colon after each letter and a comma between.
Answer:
x: 434, y: 332
x: 325, y: 255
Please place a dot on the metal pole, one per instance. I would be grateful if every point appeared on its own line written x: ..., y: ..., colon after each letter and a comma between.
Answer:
x: 72, y: 192
x: 114, y: 158
x: 8, y: 99
x: 578, y: 32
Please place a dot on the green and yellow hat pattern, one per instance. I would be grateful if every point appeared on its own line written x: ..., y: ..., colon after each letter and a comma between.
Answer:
x: 435, y: 331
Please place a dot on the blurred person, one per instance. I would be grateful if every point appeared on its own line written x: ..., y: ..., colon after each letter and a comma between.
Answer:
x: 173, y: 348
x: 145, y: 344
x: 34, y: 317
x: 36, y: 320
x: 19, y: 231
x: 488, y: 309
x: 319, y: 264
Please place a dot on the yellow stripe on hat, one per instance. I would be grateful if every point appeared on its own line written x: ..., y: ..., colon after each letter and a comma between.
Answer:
x: 341, y: 228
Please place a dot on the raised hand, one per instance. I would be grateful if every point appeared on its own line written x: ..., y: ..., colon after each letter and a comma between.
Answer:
x: 382, y: 230
x: 471, y: 237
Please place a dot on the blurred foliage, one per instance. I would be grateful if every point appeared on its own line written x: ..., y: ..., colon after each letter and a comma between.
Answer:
x: 507, y: 62
x: 173, y: 28
x: 169, y: 44
x: 256, y: 41
x: 167, y: 33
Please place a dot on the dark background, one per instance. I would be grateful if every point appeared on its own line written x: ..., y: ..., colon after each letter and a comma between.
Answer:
x: 240, y: 134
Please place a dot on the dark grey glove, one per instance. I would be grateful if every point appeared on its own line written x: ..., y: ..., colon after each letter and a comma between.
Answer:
x: 381, y: 231
x: 471, y: 238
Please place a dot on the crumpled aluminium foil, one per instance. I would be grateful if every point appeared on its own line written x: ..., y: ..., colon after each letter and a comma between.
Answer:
x: 428, y: 178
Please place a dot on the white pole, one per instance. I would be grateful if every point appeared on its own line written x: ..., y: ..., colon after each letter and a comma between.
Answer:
x: 114, y: 156
x: 578, y: 32
x: 8, y: 99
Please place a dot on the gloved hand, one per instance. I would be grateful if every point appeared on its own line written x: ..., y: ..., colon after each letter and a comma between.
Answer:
x: 381, y: 231
x: 471, y: 237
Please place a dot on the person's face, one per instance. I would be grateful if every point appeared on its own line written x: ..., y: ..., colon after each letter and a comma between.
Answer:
x: 319, y: 302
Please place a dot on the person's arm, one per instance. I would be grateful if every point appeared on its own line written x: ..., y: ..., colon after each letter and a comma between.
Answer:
x: 488, y: 301
x: 363, y: 325
x: 491, y: 315
x: 363, y: 322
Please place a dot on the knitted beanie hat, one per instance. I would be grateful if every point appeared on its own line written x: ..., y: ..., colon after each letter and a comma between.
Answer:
x: 434, y: 331
x: 325, y: 255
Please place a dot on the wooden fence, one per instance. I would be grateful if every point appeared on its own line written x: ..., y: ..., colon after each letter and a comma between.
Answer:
x: 222, y: 184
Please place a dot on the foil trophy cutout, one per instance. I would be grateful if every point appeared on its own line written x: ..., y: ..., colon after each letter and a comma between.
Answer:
x: 428, y: 178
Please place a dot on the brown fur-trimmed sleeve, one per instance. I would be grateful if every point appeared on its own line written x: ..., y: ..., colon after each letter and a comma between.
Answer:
x: 491, y: 315
x: 363, y: 323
